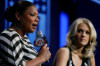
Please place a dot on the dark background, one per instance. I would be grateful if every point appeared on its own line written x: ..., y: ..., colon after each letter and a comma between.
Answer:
x: 75, y: 9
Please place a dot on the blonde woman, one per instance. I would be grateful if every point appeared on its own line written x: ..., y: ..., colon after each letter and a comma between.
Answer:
x: 81, y: 41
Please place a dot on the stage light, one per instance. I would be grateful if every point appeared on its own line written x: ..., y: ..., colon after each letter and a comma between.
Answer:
x: 96, y: 1
x: 64, y: 26
x: 43, y: 8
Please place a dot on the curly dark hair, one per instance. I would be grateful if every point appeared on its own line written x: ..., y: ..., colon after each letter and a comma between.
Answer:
x: 20, y: 7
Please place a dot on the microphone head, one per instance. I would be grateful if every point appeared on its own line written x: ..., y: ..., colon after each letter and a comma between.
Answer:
x: 40, y: 40
x: 39, y: 34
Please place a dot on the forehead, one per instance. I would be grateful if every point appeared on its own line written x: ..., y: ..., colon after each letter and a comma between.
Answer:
x: 31, y: 9
x: 83, y: 26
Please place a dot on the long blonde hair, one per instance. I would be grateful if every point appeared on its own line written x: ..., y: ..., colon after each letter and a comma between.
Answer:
x: 90, y: 47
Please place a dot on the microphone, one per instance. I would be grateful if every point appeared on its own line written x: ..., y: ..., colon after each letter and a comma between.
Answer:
x: 40, y: 40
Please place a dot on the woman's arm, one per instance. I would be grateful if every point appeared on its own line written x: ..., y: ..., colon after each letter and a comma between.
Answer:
x: 11, y: 51
x: 43, y: 56
x: 61, y: 57
x: 92, y: 61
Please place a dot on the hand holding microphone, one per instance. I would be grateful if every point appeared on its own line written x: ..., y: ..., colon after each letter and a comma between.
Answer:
x: 41, y: 41
x: 44, y: 53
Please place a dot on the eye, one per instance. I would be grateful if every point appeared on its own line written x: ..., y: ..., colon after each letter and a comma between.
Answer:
x: 38, y: 17
x: 80, y: 30
x: 87, y: 32
x: 32, y: 14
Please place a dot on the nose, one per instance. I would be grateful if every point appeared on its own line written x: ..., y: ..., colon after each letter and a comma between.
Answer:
x: 37, y: 19
x: 83, y: 34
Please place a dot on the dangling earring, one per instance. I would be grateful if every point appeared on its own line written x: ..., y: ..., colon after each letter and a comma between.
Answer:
x: 72, y: 40
x: 18, y: 21
x: 16, y: 27
x: 90, y: 43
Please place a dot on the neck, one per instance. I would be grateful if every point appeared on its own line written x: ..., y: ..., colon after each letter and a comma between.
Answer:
x: 19, y: 31
x: 79, y: 51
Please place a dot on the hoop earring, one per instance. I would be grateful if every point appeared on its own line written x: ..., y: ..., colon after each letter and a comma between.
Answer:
x: 16, y: 27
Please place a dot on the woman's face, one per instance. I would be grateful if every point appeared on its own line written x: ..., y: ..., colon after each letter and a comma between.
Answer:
x: 82, y: 35
x: 29, y: 19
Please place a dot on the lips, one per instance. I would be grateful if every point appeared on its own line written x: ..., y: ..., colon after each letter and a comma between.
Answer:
x: 34, y: 26
x: 83, y: 40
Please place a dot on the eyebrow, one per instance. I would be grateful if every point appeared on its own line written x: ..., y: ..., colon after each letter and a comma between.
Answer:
x: 82, y: 29
x: 34, y: 12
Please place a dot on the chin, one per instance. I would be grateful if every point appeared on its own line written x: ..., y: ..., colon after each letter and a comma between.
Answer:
x: 33, y: 30
x: 30, y: 32
x: 83, y: 44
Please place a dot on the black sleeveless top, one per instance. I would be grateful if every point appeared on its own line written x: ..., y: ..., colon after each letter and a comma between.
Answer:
x: 85, y: 61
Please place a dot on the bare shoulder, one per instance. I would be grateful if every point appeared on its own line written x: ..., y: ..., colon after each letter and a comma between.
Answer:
x: 63, y: 50
x: 61, y: 57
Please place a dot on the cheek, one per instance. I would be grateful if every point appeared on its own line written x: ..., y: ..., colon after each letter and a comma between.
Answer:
x: 28, y: 18
x: 88, y: 38
x: 78, y: 36
x: 29, y: 21
x: 76, y: 39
